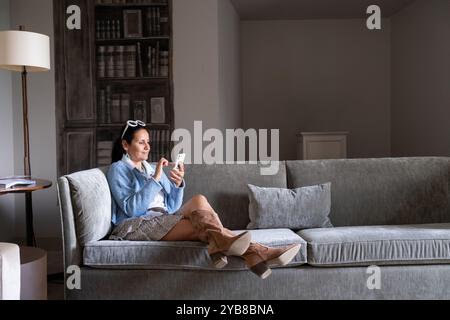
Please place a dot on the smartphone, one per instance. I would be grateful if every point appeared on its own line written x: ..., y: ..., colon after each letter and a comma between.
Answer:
x: 180, y: 158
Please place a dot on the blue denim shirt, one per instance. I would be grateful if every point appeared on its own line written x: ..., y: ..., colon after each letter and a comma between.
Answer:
x: 132, y: 191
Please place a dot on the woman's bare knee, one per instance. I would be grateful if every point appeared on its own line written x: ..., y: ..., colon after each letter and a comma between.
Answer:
x: 199, y: 198
x: 197, y: 202
x: 201, y: 202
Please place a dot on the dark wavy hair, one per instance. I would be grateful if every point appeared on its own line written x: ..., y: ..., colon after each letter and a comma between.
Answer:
x: 118, y: 150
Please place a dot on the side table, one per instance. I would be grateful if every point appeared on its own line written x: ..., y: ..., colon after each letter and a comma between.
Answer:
x: 33, y: 274
x: 40, y: 184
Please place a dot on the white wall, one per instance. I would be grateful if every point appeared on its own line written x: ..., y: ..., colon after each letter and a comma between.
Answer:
x: 7, y: 208
x: 318, y: 75
x: 37, y: 16
x: 420, y: 79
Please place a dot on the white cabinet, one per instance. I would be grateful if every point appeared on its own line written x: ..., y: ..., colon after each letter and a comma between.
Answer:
x: 322, y: 145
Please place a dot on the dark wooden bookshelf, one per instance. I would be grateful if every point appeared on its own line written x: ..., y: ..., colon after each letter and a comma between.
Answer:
x: 132, y: 39
x: 131, y: 5
x: 96, y: 96
x: 138, y: 79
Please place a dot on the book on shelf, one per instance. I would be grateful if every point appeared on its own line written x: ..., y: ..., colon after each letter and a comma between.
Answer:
x: 119, y: 63
x: 101, y: 63
x: 157, y: 59
x: 125, y: 107
x: 164, y: 64
x: 140, y: 72
x: 109, y: 61
x: 115, y: 108
x: 16, y: 182
x: 157, y: 110
x: 130, y: 61
x: 140, y: 110
x: 108, y: 105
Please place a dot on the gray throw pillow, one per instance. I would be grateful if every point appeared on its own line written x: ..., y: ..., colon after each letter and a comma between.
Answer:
x: 91, y: 202
x: 301, y: 208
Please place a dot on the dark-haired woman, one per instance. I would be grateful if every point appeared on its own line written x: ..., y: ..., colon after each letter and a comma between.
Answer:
x: 147, y: 205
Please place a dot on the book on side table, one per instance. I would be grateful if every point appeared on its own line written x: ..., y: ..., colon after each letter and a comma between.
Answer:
x: 15, y: 182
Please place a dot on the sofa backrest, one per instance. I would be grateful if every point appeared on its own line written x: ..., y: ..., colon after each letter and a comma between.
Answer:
x: 380, y: 191
x: 225, y: 187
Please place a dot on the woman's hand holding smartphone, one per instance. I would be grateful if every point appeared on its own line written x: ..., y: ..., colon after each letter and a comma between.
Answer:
x: 176, y: 174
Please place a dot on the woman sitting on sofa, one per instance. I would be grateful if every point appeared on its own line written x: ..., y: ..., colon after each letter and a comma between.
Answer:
x: 147, y: 205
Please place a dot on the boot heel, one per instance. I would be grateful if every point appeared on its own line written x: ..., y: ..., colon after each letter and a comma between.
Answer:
x: 219, y: 260
x: 285, y: 257
x: 240, y: 245
x: 261, y: 270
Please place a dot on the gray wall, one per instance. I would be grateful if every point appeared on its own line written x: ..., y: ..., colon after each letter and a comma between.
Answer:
x: 318, y: 75
x: 420, y: 79
x: 206, y: 59
x: 37, y: 16
x: 230, y: 109
x: 196, y: 61
x: 7, y: 208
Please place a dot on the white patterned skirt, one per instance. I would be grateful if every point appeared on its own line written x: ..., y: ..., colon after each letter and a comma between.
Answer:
x: 145, y: 228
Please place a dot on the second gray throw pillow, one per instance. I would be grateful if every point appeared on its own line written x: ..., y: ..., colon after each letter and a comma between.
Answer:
x: 300, y: 208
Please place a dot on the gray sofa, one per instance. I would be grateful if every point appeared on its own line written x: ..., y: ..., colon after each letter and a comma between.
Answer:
x: 391, y: 212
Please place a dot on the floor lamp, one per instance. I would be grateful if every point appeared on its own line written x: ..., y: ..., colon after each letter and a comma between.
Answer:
x: 25, y: 52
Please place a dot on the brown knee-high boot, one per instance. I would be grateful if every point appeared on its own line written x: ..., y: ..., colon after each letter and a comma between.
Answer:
x: 259, y: 258
x: 221, y: 241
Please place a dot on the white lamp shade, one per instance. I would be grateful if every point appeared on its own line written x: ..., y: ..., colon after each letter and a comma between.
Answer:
x: 20, y: 49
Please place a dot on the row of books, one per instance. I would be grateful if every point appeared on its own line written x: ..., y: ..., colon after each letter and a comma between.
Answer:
x: 159, y: 147
x: 127, y: 61
x: 155, y: 22
x: 108, y: 29
x: 158, y: 61
x: 131, y: 1
x: 112, y: 29
x: 116, y: 61
x: 113, y: 107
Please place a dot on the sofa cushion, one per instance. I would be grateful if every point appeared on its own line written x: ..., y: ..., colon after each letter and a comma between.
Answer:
x: 91, y: 202
x: 300, y: 208
x: 382, y: 245
x: 178, y: 254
